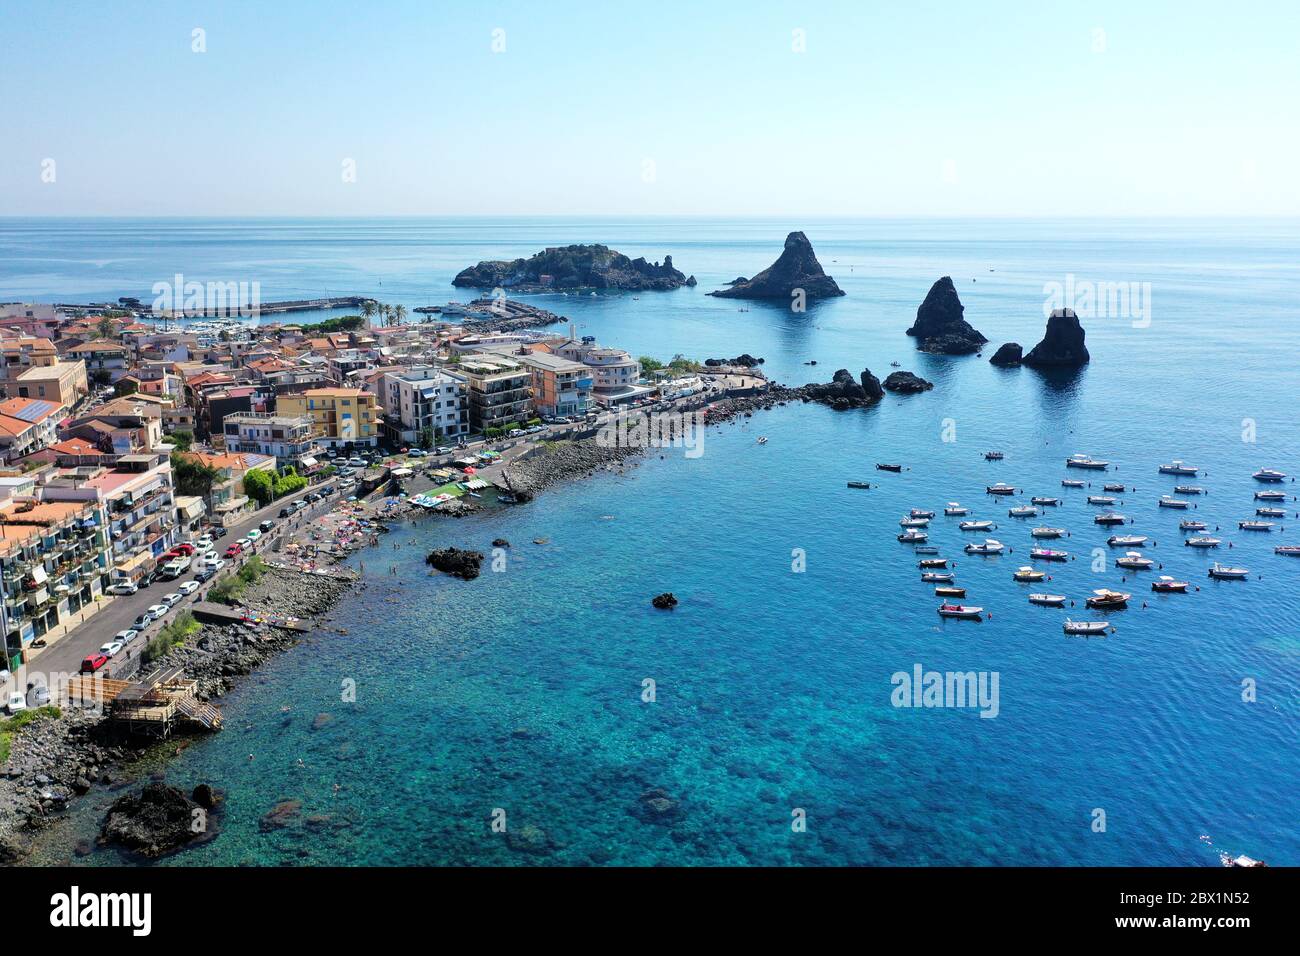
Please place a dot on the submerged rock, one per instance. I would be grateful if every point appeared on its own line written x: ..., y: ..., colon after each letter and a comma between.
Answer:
x: 941, y: 325
x: 905, y: 383
x: 456, y: 562
x: 500, y: 543
x: 1008, y: 354
x: 573, y: 267
x: 156, y: 821
x: 1062, y: 345
x: 665, y: 602
x: 796, y: 268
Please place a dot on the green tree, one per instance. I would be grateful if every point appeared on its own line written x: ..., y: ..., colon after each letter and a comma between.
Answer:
x: 426, y: 438
x: 260, y: 486
x: 182, y: 439
x: 399, y: 314
x: 126, y: 386
x: 368, y: 309
x: 192, y: 477
x: 105, y: 327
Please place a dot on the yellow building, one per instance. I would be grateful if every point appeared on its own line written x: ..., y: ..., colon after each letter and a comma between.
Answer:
x: 339, y: 416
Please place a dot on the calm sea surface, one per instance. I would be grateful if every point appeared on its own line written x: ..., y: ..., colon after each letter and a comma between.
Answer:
x: 523, y: 690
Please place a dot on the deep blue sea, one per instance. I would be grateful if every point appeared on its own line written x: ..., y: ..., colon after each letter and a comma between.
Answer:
x: 522, y: 691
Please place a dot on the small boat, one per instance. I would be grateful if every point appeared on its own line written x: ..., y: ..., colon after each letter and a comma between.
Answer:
x: 1001, y: 488
x: 1168, y: 502
x: 1045, y: 501
x: 1135, y: 561
x: 1269, y: 474
x: 913, y: 537
x: 913, y: 522
x: 1191, y: 526
x: 938, y: 577
x: 1028, y: 574
x: 1045, y: 532
x: 1188, y: 490
x: 932, y: 563
x: 925, y: 549
x: 980, y: 525
x: 954, y: 510
x: 949, y: 592
x: 1205, y: 542
x: 1177, y: 467
x: 1126, y: 540
x: 1047, y: 554
x: 1083, y: 461
x: 1086, y: 627
x: 1109, y: 517
x: 1116, y: 488
x: 1270, y: 496
x: 762, y: 439
x: 1023, y: 511
x: 960, y: 610
x: 1224, y: 573
x: 882, y: 467
x: 1100, y: 500
x: 1072, y: 483
x: 1048, y: 600
x: 859, y: 484
x: 1255, y: 525
x: 993, y: 456
x: 1104, y: 599
x: 1270, y: 512
x: 1167, y: 585
x: 1290, y: 550
x: 989, y: 546
x: 920, y: 513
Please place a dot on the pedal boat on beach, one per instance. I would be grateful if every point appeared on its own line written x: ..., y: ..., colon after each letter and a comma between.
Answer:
x: 932, y: 563
x: 1134, y: 561
x: 1047, y: 554
x: 1168, y: 502
x: 979, y: 525
x: 1048, y: 600
x: 1203, y: 542
x: 1086, y: 627
x: 950, y: 592
x: 1269, y: 474
x: 1023, y: 511
x: 1178, y: 467
x: 1126, y: 540
x: 1104, y: 599
x: 911, y: 536
x: 954, y: 510
x: 1289, y: 550
x: 1072, y: 483
x: 994, y: 456
x: 1047, y: 532
x: 960, y: 610
x: 1083, y: 461
x: 1001, y: 488
x: 1255, y: 525
x: 1167, y: 585
x: 1223, y: 572
x: 1044, y: 501
x: 988, y: 546
x: 937, y: 577
x: 885, y: 467
x: 1028, y: 574
x: 1191, y: 525
x: 1109, y: 517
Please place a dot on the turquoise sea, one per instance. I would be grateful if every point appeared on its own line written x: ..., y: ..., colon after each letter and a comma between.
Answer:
x: 522, y: 691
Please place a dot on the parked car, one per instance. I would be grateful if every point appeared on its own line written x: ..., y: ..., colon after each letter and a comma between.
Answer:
x: 188, y: 588
x: 174, y: 568
x: 327, y: 490
x: 159, y: 611
x: 17, y: 702
x: 207, y: 574
x: 218, y: 531
x: 313, y: 497
x: 286, y: 512
x: 417, y: 453
x: 356, y: 462
x: 111, y: 648
x: 266, y: 526
x: 142, y: 622
x: 127, y: 636
x: 92, y: 663
x: 253, y: 535
x: 184, y: 548
x: 234, y: 550
x: 171, y: 600
x: 123, y: 587
x: 38, y: 695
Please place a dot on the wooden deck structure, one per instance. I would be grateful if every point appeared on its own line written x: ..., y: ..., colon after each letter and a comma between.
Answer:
x: 153, y: 705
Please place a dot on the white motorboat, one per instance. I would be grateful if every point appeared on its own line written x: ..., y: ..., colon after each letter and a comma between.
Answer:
x: 1177, y: 467
x: 1045, y: 501
x: 1045, y: 532
x: 1109, y: 517
x: 1072, y: 483
x: 1255, y: 525
x: 1168, y: 502
x: 947, y: 592
x: 926, y: 563
x: 1167, y: 585
x: 913, y: 522
x: 1223, y: 572
x: 1084, y: 461
x: 1086, y: 627
x: 1104, y: 599
x: 1028, y: 574
x: 1100, y: 500
x: 955, y: 510
x: 960, y: 610
x: 1000, y: 489
x: 1188, y: 490
x: 1270, y: 496
x: 1191, y: 526
x: 1126, y: 540
x: 1203, y: 542
x: 1117, y: 489
x: 1023, y: 511
x: 912, y: 536
x: 1047, y: 554
x: 920, y: 513
x: 979, y: 525
x: 1290, y: 550
x: 1269, y: 474
x: 938, y: 577
x: 988, y: 546
x: 1048, y: 600
x: 1134, y: 561
x: 1270, y: 512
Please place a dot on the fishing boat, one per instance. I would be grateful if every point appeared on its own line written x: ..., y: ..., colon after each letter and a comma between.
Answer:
x: 926, y: 549
x: 1191, y: 525
x: 1100, y: 500
x: 980, y: 525
x: 993, y: 456
x: 1047, y: 554
x: 1269, y: 474
x: 1028, y: 574
x: 1104, y: 599
x: 1048, y: 600
x: 1177, y: 467
x: 885, y: 467
x: 1109, y: 517
x: 762, y: 439
x: 1086, y: 627
x: 938, y: 577
x: 1126, y: 540
x: 1000, y: 488
x: 1167, y: 585
x: 913, y: 522
x: 1168, y: 502
x: 1204, y: 542
x: 949, y: 592
x: 859, y: 484
x: 1072, y: 483
x: 954, y: 510
x: 1023, y: 511
x: 1255, y: 525
x: 1045, y: 501
x: 1290, y: 550
x: 1083, y: 461
x: 988, y: 546
x: 1270, y: 496
x: 1270, y: 512
x: 1223, y: 572
x: 911, y: 536
x: 920, y: 513
x: 1134, y: 561
x: 960, y: 610
x: 1188, y: 490
x: 1045, y: 532
x: 932, y: 563
x: 1116, y: 488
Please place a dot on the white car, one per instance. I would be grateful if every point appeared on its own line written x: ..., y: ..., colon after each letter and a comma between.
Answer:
x: 158, y: 611
x: 142, y: 622
x: 127, y: 636
x: 111, y: 648
x: 17, y: 702
x: 253, y: 535
x: 171, y: 600
x: 123, y: 587
x: 189, y: 587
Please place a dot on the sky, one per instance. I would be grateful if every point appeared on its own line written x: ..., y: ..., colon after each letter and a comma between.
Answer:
x: 427, y: 107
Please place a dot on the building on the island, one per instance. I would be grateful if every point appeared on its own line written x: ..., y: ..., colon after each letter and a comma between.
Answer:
x: 27, y: 425
x: 290, y: 441
x: 499, y: 390
x: 423, y: 397
x: 339, y: 416
x: 62, y: 382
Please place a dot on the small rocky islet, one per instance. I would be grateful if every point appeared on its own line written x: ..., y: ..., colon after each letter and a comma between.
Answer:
x: 941, y: 326
x: 795, y: 270
x: 574, y: 268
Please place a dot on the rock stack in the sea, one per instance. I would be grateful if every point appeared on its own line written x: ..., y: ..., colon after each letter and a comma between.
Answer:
x: 797, y: 269
x: 906, y: 383
x: 154, y: 822
x: 844, y: 391
x: 1062, y: 345
x: 457, y: 562
x: 572, y: 268
x: 1007, y: 355
x: 664, y: 602
x: 940, y: 324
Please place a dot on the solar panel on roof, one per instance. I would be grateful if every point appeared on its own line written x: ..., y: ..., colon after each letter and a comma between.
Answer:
x: 34, y: 411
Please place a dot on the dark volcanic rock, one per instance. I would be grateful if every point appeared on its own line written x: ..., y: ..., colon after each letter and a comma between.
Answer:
x: 797, y: 268
x: 905, y: 383
x: 205, y: 796
x: 1062, y: 345
x: 845, y: 392
x: 665, y: 602
x: 454, y: 561
x: 940, y: 324
x: 744, y: 360
x: 1008, y: 354
x: 500, y: 543
x: 573, y: 267
x: 154, y: 822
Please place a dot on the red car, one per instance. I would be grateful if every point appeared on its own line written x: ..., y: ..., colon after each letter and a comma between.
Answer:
x: 234, y: 550
x: 93, y: 663
x: 181, y: 549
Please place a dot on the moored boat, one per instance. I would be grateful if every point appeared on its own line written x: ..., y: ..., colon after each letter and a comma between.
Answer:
x: 925, y: 549
x: 1203, y: 542
x: 1000, y: 489
x: 1126, y: 540
x: 1072, y: 483
x: 1191, y: 525
x: 1044, y: 501
x: 949, y: 592
x: 1270, y: 496
x: 937, y: 577
x: 1188, y: 490
x: 1047, y: 554
x: 1269, y: 474
x: 1045, y: 532
x: 960, y: 610
x: 1177, y: 467
x: 911, y: 536
x: 1084, y: 461
x: 1167, y: 585
x: 988, y: 546
x: 1100, y: 500
x: 1086, y: 627
x: 887, y: 467
x: 1224, y: 572
x: 1104, y: 599
x: 859, y: 484
x: 1134, y: 561
x: 1168, y: 502
x: 1048, y: 600
x: 913, y: 522
x: 1270, y: 512
x: 1290, y: 550
x: 1028, y: 574
x: 932, y: 563
x: 920, y: 513
x: 978, y: 525
x: 955, y: 510
x: 1109, y: 517
x: 1255, y: 525
x: 1120, y: 489
x: 993, y: 456
x: 1023, y: 511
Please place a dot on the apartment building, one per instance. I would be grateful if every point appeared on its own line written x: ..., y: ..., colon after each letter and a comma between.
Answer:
x: 615, y: 372
x: 62, y: 382
x: 290, y: 441
x: 423, y: 397
x: 499, y: 390
x: 105, y: 361
x: 27, y: 425
x: 339, y: 416
x: 559, y: 386
x: 20, y: 353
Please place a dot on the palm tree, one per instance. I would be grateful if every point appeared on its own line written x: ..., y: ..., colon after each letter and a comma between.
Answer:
x: 399, y: 315
x: 388, y: 314
x: 368, y: 309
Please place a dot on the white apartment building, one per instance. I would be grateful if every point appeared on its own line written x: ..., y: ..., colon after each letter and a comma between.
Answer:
x: 423, y: 397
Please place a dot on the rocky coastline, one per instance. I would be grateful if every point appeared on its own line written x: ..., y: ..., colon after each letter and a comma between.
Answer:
x: 574, y: 268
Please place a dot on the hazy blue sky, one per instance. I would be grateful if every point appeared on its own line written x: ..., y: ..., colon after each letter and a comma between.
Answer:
x: 1043, y: 108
